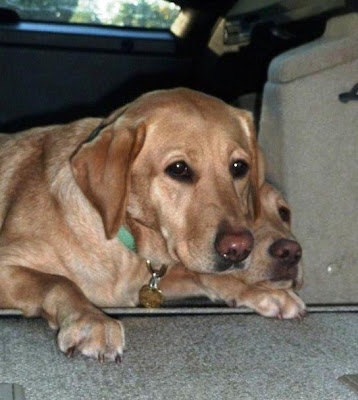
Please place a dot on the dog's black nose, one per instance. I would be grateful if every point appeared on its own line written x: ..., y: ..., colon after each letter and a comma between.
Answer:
x: 233, y: 246
x: 288, y: 252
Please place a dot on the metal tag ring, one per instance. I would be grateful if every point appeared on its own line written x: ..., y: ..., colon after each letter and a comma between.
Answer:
x: 157, y: 273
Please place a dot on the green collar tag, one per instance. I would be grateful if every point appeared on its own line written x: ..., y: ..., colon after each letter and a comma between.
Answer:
x: 126, y: 238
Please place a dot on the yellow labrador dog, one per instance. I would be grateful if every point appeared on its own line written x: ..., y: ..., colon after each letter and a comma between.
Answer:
x: 273, y: 269
x: 177, y: 168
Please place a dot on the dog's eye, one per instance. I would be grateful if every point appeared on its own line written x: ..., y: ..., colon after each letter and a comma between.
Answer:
x: 285, y: 214
x: 180, y: 171
x: 239, y: 169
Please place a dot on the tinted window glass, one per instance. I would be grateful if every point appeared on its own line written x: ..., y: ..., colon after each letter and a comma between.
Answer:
x: 129, y: 13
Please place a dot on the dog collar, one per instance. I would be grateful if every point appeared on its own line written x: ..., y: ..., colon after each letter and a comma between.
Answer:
x: 150, y: 296
x: 126, y: 238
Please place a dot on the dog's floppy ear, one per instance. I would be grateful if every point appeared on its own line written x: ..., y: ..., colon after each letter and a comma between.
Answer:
x: 102, y: 164
x: 257, y: 171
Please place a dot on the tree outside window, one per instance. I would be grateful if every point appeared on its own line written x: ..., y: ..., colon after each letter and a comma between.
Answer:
x: 124, y: 13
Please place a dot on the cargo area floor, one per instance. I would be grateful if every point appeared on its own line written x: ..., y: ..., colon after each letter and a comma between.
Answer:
x: 242, y: 356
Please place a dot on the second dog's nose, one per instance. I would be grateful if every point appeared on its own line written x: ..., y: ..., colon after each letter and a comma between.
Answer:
x: 289, y: 252
x: 234, y: 246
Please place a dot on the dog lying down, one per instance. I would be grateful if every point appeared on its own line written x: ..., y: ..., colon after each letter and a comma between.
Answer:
x: 179, y: 169
x: 272, y: 271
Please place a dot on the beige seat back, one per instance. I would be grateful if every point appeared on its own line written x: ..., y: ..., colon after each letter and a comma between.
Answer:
x: 310, y: 139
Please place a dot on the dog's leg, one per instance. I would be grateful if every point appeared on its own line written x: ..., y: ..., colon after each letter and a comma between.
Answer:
x: 179, y: 283
x: 82, y: 327
x: 279, y: 303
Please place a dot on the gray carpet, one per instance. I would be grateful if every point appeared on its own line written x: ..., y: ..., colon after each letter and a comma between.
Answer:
x: 191, y: 357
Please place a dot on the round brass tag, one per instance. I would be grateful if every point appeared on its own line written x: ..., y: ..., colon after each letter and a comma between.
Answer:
x: 150, y: 297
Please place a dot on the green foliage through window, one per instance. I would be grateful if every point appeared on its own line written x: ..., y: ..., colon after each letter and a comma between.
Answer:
x: 133, y: 13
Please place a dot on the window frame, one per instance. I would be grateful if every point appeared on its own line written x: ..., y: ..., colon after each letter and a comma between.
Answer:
x: 88, y: 37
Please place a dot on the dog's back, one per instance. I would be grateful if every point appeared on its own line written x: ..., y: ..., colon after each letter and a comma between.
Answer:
x: 29, y: 163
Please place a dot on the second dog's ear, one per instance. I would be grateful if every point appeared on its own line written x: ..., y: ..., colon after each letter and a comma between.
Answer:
x: 261, y: 166
x: 257, y: 171
x: 102, y: 165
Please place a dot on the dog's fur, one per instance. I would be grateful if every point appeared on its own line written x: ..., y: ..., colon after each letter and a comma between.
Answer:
x: 65, y: 190
x: 263, y: 284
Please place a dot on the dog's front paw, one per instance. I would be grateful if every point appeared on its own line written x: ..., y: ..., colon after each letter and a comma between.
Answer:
x: 94, y: 335
x: 277, y: 303
x: 292, y: 305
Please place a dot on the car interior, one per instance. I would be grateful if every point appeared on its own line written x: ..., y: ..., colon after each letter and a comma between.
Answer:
x: 294, y: 65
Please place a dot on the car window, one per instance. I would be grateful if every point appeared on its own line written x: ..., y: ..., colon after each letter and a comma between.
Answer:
x: 125, y: 13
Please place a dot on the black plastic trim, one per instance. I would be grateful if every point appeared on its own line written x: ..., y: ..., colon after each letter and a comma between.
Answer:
x: 88, y: 37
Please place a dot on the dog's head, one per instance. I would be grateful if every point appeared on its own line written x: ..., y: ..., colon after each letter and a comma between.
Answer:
x: 276, y: 257
x: 180, y: 168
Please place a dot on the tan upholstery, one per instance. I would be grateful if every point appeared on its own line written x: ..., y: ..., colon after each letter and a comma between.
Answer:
x: 311, y: 142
